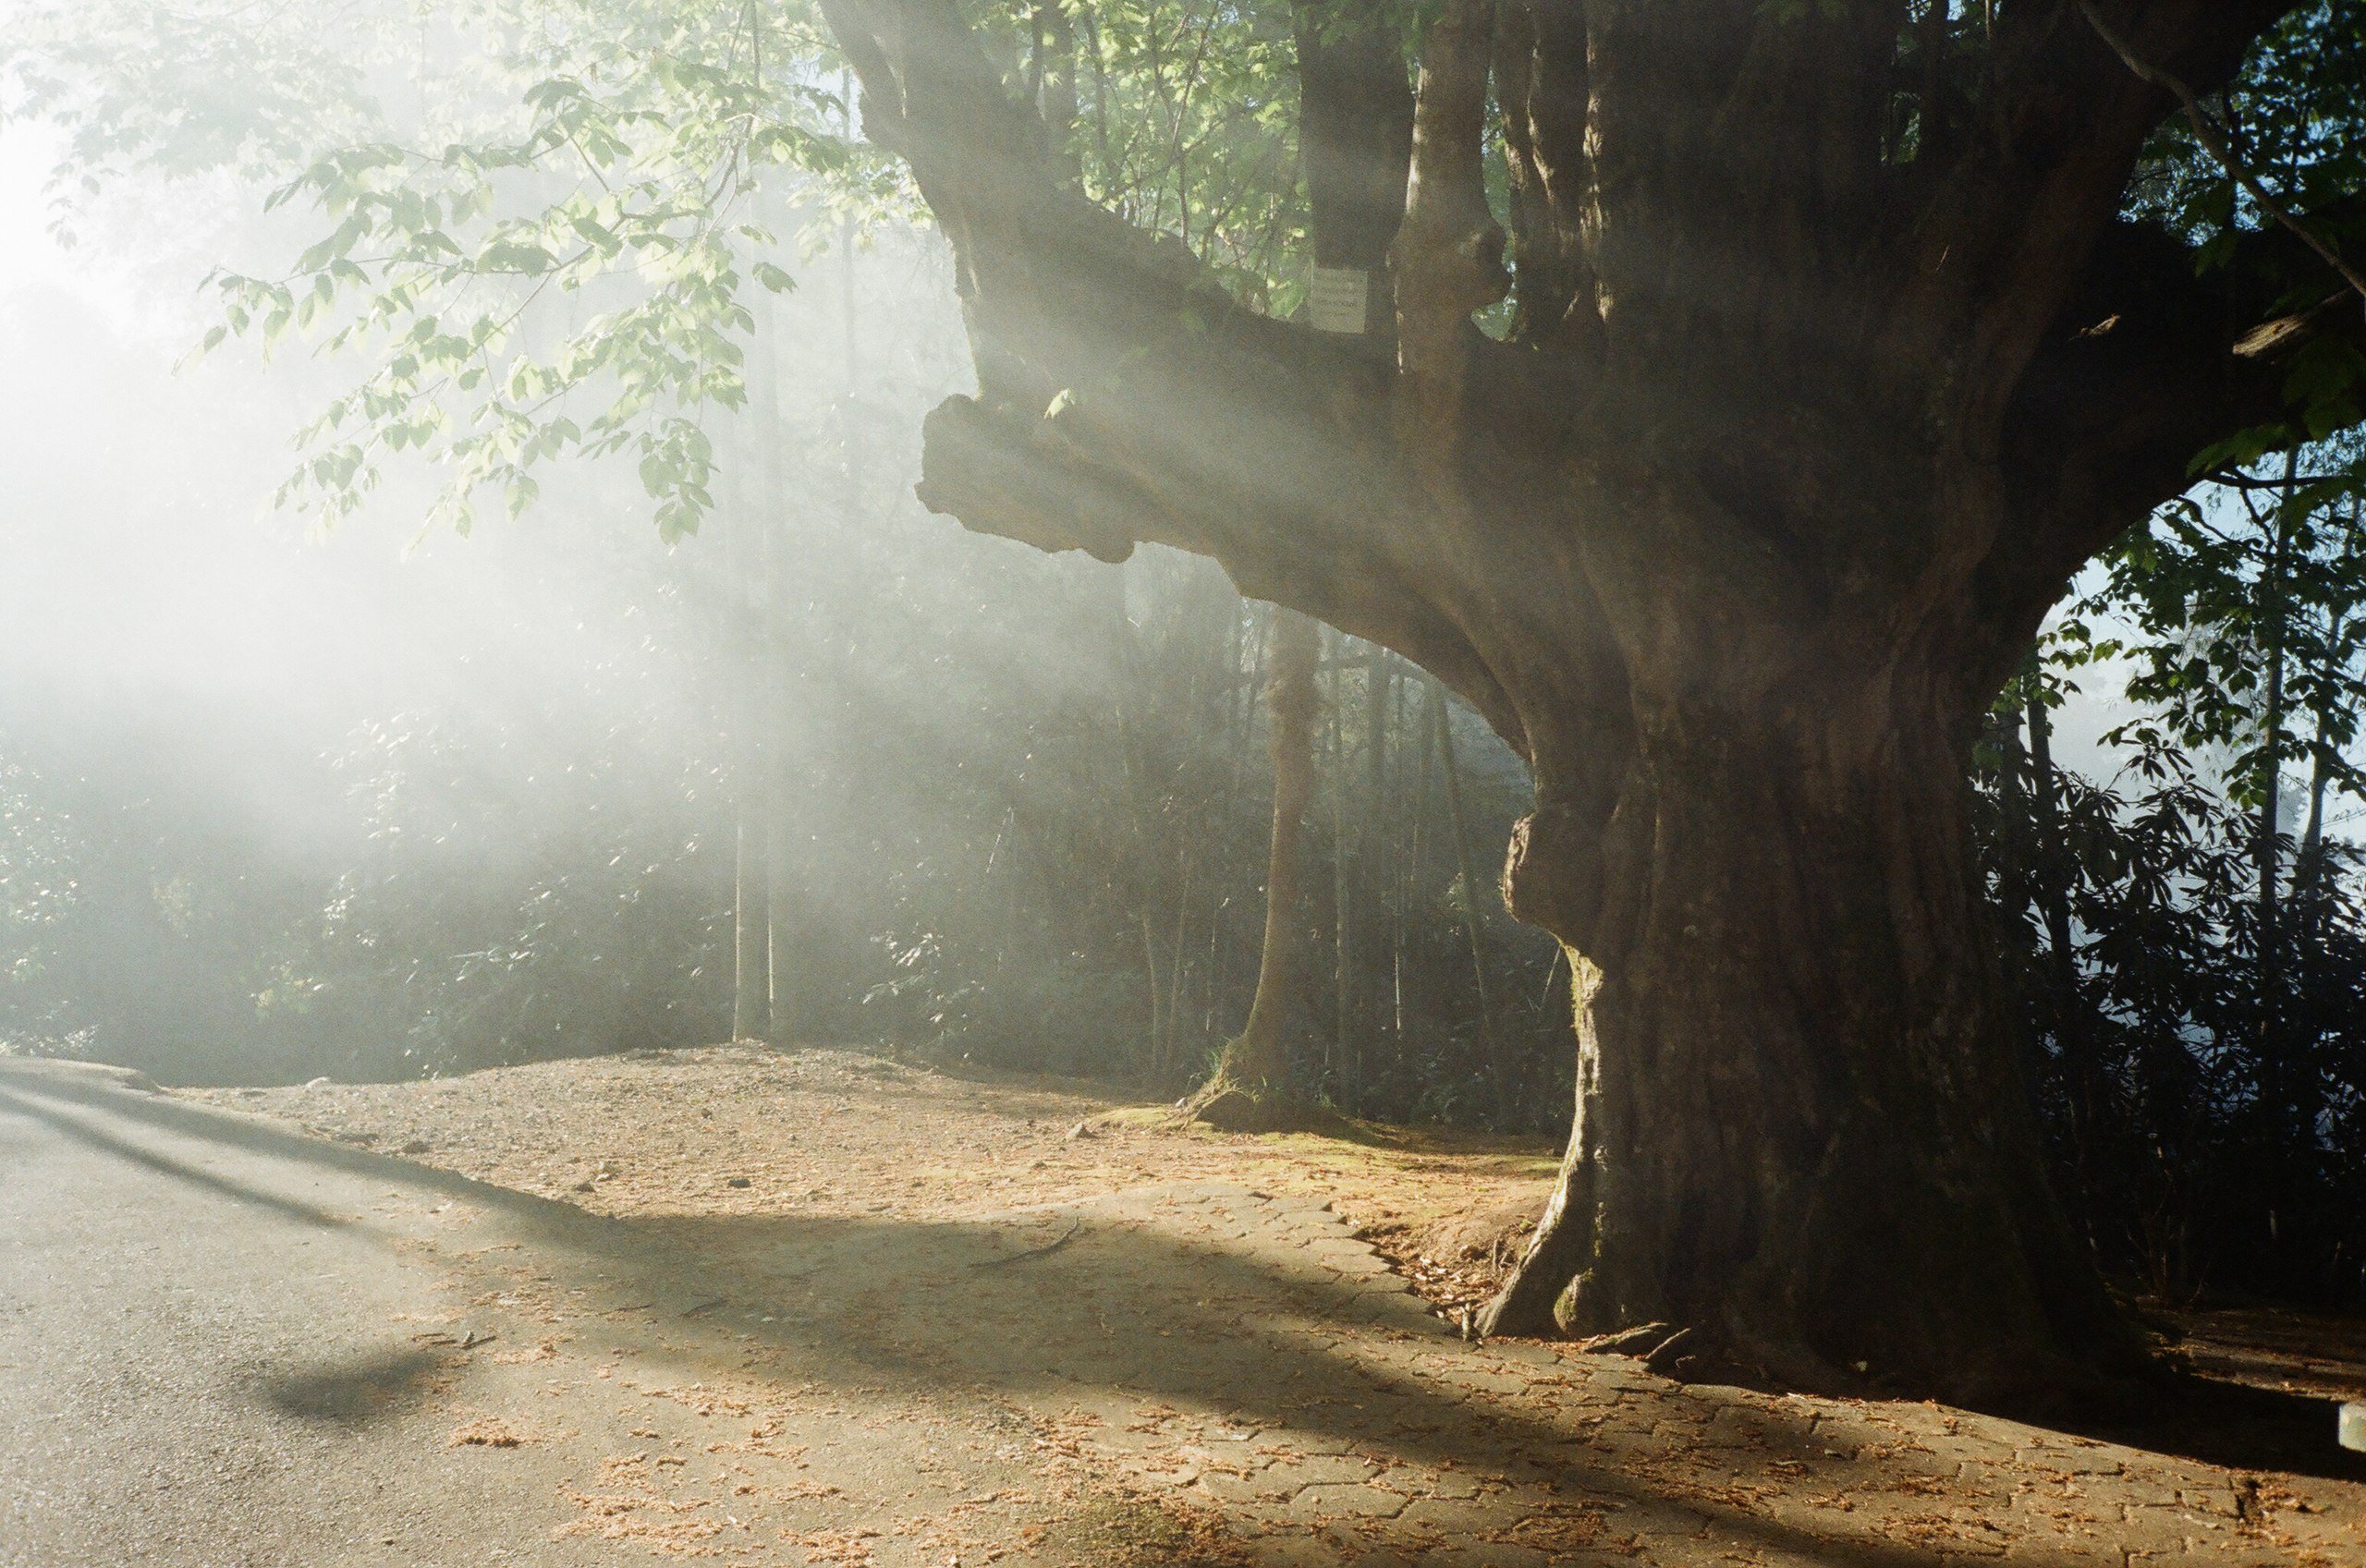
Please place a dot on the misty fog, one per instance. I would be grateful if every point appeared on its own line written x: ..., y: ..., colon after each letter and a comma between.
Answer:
x: 383, y: 799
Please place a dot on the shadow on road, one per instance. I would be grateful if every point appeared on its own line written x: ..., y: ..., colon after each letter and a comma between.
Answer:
x: 904, y: 1307
x: 83, y: 1132
x: 357, y: 1392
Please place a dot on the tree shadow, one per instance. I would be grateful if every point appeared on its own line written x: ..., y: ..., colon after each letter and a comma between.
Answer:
x: 956, y: 1311
x: 356, y: 1393
x: 2236, y: 1426
x: 98, y: 1138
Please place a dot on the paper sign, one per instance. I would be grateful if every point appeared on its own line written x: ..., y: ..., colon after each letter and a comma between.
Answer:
x: 1335, y: 298
x: 2351, y: 1433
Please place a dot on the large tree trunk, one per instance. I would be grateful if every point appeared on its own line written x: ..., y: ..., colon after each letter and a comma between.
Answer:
x: 1801, y: 426
x: 750, y: 926
x: 1801, y: 1130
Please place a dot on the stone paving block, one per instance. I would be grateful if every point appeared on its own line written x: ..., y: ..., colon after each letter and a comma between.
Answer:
x: 1296, y: 1551
x: 1491, y: 1381
x: 1454, y: 1517
x: 1529, y: 1353
x: 1328, y: 1502
x: 1363, y: 1555
x: 1357, y: 1263
x: 1324, y: 1469
x: 1263, y: 1487
x: 1645, y: 1522
x: 1451, y: 1484
x: 1493, y: 1554
x: 1392, y: 1309
x: 1618, y: 1372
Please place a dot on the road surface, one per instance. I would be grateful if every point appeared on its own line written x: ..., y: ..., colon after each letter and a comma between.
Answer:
x: 227, y: 1344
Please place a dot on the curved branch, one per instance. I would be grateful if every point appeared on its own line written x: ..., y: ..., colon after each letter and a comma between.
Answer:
x: 1292, y: 525
x: 2008, y: 227
x: 1124, y: 397
x: 2147, y: 365
x: 2214, y: 141
x: 1355, y: 127
x: 1541, y: 86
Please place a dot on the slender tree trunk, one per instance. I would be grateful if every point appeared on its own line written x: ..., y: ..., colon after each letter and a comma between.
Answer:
x: 2272, y: 610
x: 1178, y: 966
x: 2306, y: 867
x: 1466, y: 861
x: 2053, y: 889
x: 1371, y: 846
x: 1158, y: 1062
x: 1342, y: 942
x: 2305, y: 913
x: 1256, y: 1061
x: 2052, y: 865
x: 750, y: 1004
x: 752, y: 712
x: 2274, y: 1049
x: 2277, y: 1076
x: 775, y: 684
x: 786, y: 961
x: 849, y: 348
x: 1403, y: 841
x: 1053, y: 68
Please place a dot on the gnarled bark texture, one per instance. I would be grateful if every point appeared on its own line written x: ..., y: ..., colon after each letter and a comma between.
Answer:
x: 1831, y: 359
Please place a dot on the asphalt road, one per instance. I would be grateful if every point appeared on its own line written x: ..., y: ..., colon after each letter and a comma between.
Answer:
x: 224, y: 1344
x: 220, y: 1345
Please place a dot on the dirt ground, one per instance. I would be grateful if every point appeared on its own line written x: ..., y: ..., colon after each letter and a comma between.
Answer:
x: 1504, y: 1453
x: 745, y: 1130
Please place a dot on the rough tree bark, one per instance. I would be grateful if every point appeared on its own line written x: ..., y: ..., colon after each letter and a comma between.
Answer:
x: 1802, y: 423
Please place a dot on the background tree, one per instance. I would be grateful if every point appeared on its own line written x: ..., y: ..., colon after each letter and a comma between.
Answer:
x: 1251, y: 1084
x: 2235, y: 616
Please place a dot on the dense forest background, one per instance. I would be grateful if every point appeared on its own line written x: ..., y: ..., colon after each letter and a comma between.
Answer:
x: 391, y: 801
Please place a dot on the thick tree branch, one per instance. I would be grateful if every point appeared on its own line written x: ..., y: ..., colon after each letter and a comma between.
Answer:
x: 1125, y: 398
x: 2148, y: 365
x: 2213, y: 141
x: 1355, y: 128
x: 2004, y: 229
x: 1449, y: 256
x: 1541, y: 86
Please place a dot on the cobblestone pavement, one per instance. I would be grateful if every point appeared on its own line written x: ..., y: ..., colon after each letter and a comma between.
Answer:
x: 1198, y: 1373
x: 1362, y: 1432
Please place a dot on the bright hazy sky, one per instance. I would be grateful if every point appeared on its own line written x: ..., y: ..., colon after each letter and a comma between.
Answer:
x: 31, y: 261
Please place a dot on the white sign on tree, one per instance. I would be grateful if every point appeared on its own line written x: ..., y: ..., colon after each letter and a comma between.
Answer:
x: 1337, y: 298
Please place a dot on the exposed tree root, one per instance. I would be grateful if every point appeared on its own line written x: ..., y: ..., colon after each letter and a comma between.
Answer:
x: 1232, y: 1105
